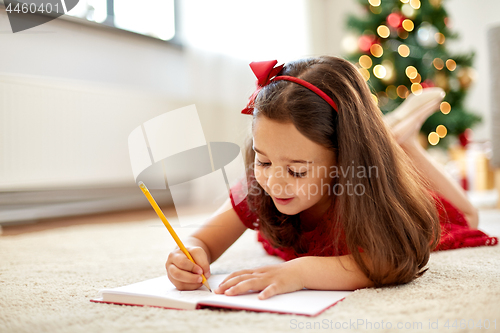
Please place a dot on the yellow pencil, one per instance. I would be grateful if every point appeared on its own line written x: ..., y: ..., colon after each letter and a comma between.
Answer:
x: 170, y: 229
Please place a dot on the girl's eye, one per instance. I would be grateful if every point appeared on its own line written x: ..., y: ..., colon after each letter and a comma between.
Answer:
x: 297, y: 174
x: 293, y: 173
x: 259, y: 163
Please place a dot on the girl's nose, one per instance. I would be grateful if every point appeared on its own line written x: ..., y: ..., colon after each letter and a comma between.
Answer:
x: 276, y: 181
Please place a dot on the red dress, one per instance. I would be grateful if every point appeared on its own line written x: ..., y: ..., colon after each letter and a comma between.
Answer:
x: 455, y: 231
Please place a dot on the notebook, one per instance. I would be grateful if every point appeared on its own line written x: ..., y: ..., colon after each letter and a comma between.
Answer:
x: 161, y: 292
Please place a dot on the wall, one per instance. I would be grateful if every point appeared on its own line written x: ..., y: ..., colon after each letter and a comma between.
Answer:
x: 63, y: 49
x: 471, y: 20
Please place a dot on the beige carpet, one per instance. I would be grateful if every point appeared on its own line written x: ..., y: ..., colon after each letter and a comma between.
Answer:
x: 48, y: 277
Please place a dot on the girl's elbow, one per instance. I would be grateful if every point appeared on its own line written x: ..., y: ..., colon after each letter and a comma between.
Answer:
x: 362, y: 283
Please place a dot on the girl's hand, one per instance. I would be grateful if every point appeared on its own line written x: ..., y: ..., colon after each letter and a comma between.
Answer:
x: 183, y: 273
x: 270, y: 280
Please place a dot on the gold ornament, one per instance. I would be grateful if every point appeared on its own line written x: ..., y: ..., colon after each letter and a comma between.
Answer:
x: 408, y: 25
x: 383, y: 31
x: 391, y: 92
x: 441, y: 81
x: 415, y: 4
x: 411, y: 72
x: 451, y: 65
x: 379, y: 71
x: 417, y: 79
x: 445, y: 107
x: 416, y: 88
x: 433, y: 138
x: 376, y: 50
x: 438, y: 63
x: 365, y: 61
x: 390, y: 73
x: 441, y: 130
x: 404, y: 50
x: 402, y: 91
x: 466, y: 76
x: 440, y: 38
x: 435, y: 3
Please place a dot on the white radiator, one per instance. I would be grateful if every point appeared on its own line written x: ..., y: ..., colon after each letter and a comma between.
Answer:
x: 59, y: 135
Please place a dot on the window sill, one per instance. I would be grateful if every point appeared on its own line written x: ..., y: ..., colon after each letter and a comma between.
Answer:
x: 107, y: 27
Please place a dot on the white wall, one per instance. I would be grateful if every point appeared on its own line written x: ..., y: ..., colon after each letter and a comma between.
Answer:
x: 471, y: 20
x: 327, y: 20
x: 64, y: 49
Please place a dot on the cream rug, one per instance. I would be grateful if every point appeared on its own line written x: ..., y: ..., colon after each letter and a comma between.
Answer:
x: 47, y: 279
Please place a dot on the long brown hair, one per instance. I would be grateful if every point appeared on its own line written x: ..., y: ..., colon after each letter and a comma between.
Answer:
x: 395, y: 221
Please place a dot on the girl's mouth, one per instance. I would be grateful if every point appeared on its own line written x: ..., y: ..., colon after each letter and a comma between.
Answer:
x: 283, y: 201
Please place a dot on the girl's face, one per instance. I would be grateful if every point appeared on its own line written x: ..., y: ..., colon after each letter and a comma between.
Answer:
x: 292, y: 169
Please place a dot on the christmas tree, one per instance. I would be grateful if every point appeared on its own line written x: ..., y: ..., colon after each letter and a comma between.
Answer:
x: 399, y: 47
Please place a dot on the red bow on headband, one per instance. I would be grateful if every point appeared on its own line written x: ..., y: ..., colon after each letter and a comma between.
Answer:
x: 266, y: 72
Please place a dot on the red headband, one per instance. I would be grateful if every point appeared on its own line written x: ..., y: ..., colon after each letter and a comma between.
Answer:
x: 266, y: 73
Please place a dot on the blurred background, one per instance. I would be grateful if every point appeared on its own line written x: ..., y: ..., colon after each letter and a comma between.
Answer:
x: 72, y: 89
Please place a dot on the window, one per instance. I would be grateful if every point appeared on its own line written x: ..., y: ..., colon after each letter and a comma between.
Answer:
x: 155, y: 18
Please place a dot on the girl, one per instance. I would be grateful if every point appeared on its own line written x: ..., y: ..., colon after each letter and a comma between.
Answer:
x: 331, y: 190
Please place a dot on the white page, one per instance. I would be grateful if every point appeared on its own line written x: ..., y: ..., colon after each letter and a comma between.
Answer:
x: 158, y: 292
x: 161, y: 292
x: 306, y: 302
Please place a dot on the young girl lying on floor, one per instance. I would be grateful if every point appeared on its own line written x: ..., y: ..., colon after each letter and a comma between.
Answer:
x: 348, y: 200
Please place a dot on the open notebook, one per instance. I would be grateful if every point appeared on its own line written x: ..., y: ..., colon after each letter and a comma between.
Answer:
x: 162, y: 293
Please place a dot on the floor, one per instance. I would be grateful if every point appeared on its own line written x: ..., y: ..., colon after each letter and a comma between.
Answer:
x: 112, y: 217
x: 49, y: 271
x: 489, y: 220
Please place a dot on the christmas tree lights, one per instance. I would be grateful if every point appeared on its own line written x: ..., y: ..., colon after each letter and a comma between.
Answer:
x: 399, y: 46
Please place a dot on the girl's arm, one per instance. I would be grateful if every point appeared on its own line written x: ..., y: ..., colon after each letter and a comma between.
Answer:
x: 321, y: 273
x: 334, y: 273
